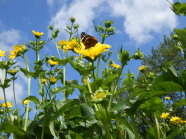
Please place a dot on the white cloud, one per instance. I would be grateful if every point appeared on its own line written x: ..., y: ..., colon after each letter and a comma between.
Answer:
x: 141, y: 18
x: 19, y: 91
x: 9, y: 38
x: 144, y: 17
x: 82, y: 10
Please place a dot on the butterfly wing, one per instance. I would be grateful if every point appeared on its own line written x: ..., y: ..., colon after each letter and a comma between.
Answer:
x: 88, y: 41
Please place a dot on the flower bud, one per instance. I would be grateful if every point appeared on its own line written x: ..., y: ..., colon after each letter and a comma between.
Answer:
x: 138, y: 55
x: 55, y: 33
x: 110, y: 29
x: 51, y: 27
x: 124, y: 57
x: 108, y: 23
x: 101, y: 28
x: 76, y: 26
x: 175, y: 36
x: 72, y: 19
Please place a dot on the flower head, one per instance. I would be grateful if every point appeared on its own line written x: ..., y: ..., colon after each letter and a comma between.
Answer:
x: 16, y: 51
x: 164, y: 115
x: 67, y: 45
x: 12, y: 72
x: 176, y: 120
x: 37, y: 34
x: 26, y: 102
x: 43, y: 80
x: 2, y: 53
x: 7, y: 104
x: 52, y: 63
x: 142, y: 68
x: 167, y: 98
x: 92, y: 52
x: 183, y: 122
x: 52, y: 79
x: 115, y: 65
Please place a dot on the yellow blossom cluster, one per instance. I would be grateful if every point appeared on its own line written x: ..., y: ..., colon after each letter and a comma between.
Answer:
x: 80, y: 48
x: 174, y: 119
x: 13, y: 71
x: 2, y: 53
x: 164, y: 115
x: 14, y: 53
x: 43, y: 80
x: 52, y: 63
x: 37, y: 34
x: 67, y: 45
x: 142, y: 68
x: 7, y: 104
x: 115, y: 65
x: 52, y: 79
x: 167, y: 98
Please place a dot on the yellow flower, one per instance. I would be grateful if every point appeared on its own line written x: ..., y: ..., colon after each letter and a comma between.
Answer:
x: 176, y: 120
x: 1, y: 98
x: 26, y: 101
x: 183, y: 122
x: 167, y: 98
x: 43, y: 80
x: 67, y: 45
x: 52, y: 62
x: 52, y: 79
x: 92, y: 52
x: 15, y: 52
x: 115, y: 65
x: 37, y: 34
x: 164, y: 115
x: 2, y: 53
x: 100, y: 95
x: 12, y: 72
x: 7, y: 104
x: 142, y: 68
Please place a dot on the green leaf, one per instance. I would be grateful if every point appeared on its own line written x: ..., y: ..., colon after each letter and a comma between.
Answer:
x: 180, y: 102
x: 9, y: 128
x: 86, y: 110
x: 26, y: 72
x: 152, y: 105
x: 69, y: 104
x: 121, y: 106
x: 126, y: 126
x: 82, y: 71
x: 106, y: 83
x: 33, y: 99
x: 7, y: 83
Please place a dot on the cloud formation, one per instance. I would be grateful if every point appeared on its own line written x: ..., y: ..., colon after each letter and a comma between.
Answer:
x: 141, y: 18
x: 9, y: 38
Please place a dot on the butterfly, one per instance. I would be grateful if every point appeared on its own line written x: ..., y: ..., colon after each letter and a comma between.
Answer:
x: 88, y: 41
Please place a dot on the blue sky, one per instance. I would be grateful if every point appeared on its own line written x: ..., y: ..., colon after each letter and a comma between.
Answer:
x: 139, y: 23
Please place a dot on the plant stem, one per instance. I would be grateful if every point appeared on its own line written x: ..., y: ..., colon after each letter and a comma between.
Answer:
x: 14, y: 94
x: 157, y: 126
x: 99, y: 57
x: 64, y: 81
x: 4, y: 93
x: 27, y: 106
x: 7, y: 106
x: 43, y: 126
x: 28, y: 93
x: 90, y: 90
x: 114, y: 89
x: 134, y: 127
